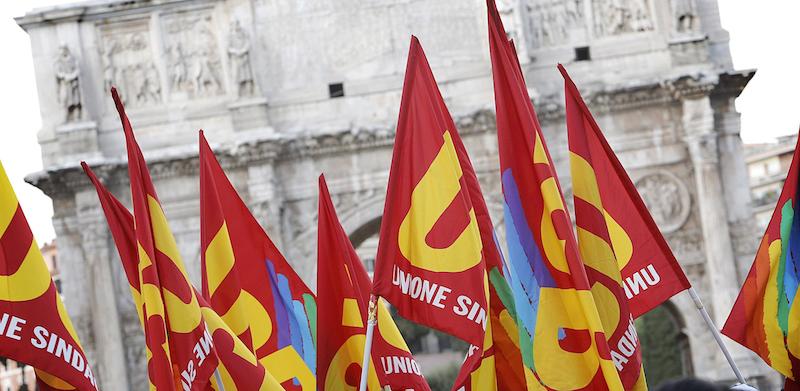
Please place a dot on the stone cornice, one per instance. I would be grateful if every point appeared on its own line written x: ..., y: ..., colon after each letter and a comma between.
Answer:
x: 93, y: 10
x: 731, y: 84
x: 281, y: 148
x: 644, y: 94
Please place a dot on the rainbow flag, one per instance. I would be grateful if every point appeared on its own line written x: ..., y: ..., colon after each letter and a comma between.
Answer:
x: 766, y: 315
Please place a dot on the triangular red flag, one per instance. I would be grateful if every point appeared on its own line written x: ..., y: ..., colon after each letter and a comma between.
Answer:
x: 344, y: 293
x: 175, y: 325
x: 430, y: 265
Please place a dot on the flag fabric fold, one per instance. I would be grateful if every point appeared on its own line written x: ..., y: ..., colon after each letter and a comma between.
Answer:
x: 239, y: 368
x: 175, y: 328
x: 34, y: 325
x: 649, y: 270
x: 430, y: 264
x: 248, y: 281
x: 343, y: 288
x: 601, y: 201
x: 766, y: 315
x: 558, y: 317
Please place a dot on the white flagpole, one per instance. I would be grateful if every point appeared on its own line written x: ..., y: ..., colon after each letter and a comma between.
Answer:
x: 710, y: 323
x: 372, y: 320
x: 219, y: 380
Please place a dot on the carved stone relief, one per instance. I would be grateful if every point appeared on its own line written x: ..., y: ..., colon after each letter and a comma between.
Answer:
x: 687, y: 245
x: 667, y: 199
x: 684, y: 16
x: 68, y: 83
x: 549, y: 21
x: 193, y: 59
x: 239, y: 55
x: 613, y: 17
x: 128, y: 64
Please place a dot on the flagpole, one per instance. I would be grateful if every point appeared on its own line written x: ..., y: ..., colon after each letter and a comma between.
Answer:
x: 710, y: 323
x: 372, y: 320
x: 220, y: 386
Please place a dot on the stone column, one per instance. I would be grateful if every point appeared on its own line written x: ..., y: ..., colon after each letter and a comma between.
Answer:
x: 720, y: 266
x: 264, y: 199
x: 109, y: 350
x: 698, y: 122
x: 735, y: 181
x: 77, y: 284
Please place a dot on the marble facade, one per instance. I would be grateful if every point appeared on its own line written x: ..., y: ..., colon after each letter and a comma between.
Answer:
x: 258, y: 76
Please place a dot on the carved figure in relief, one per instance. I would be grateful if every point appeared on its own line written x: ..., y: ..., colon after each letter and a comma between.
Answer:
x: 127, y: 63
x: 685, y: 15
x: 68, y: 83
x: 612, y: 17
x: 663, y: 199
x: 239, y: 54
x: 109, y: 68
x: 178, y: 64
x: 194, y: 64
x: 148, y: 89
x: 550, y: 20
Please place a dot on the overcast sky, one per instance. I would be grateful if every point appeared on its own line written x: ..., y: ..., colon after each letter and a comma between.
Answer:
x: 763, y: 36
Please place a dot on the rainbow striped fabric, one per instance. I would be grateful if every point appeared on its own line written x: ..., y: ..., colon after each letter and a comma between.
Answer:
x: 766, y: 315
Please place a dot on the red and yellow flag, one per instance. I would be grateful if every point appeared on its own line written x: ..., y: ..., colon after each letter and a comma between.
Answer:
x: 34, y: 325
x: 605, y: 245
x: 343, y: 287
x: 499, y: 366
x: 430, y: 263
x: 649, y: 272
x: 249, y: 282
x: 175, y: 328
x: 239, y: 368
x: 562, y: 338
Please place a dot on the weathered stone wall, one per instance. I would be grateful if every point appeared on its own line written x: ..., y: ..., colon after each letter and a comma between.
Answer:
x: 255, y: 74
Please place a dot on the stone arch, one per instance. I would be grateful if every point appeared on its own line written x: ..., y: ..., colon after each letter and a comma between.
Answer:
x: 365, y: 231
x: 665, y: 344
x: 360, y: 219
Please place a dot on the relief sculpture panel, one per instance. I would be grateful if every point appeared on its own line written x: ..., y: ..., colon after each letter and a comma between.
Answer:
x: 193, y: 59
x: 550, y: 21
x: 614, y: 17
x: 667, y: 199
x: 126, y: 51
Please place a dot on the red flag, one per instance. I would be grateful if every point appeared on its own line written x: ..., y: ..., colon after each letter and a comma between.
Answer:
x: 605, y: 246
x: 430, y: 265
x: 239, y: 369
x: 343, y: 287
x: 249, y: 282
x: 561, y: 335
x: 649, y: 270
x: 500, y: 364
x: 34, y: 325
x: 169, y: 300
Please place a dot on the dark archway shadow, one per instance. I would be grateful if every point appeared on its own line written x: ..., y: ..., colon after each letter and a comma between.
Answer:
x: 665, y: 345
x: 366, y: 231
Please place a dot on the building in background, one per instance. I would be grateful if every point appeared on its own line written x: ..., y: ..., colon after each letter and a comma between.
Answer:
x: 14, y: 377
x: 289, y: 89
x: 767, y: 165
